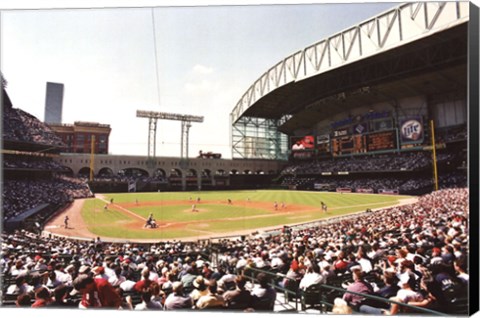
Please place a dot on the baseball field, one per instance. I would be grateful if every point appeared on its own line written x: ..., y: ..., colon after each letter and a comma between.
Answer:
x: 195, y: 215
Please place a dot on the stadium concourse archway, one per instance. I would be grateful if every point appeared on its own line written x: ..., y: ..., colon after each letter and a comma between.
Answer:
x: 211, y: 172
x: 106, y: 172
x: 134, y: 172
x: 160, y: 173
x: 68, y: 171
x: 84, y: 172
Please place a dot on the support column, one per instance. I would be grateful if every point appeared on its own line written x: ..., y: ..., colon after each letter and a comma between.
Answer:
x: 184, y: 181
x: 199, y: 182
x: 152, y: 137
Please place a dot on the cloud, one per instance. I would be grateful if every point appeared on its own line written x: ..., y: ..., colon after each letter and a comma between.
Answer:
x: 200, y: 80
x: 202, y: 69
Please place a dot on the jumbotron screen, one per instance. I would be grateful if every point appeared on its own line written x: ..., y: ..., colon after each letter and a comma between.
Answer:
x: 302, y: 143
x: 302, y: 147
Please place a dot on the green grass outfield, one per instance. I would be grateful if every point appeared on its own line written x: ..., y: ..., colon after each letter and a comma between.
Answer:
x: 250, y: 211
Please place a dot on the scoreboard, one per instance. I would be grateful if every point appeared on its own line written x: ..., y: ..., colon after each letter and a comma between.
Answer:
x: 348, y: 145
x: 370, y: 142
x: 383, y: 140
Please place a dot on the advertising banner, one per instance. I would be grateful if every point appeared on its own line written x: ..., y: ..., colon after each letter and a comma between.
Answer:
x: 382, y: 124
x: 323, y: 144
x: 360, y: 128
x: 364, y: 190
x: 344, y: 190
x: 321, y: 186
x: 341, y: 132
x: 388, y: 191
x: 411, y: 130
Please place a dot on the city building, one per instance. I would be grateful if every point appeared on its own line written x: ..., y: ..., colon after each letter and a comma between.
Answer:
x: 78, y: 137
x: 54, y: 103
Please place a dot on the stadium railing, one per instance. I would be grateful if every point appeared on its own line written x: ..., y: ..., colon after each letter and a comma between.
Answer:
x: 318, y: 295
x: 251, y: 274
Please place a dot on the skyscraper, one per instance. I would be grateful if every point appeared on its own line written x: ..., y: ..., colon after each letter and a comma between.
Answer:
x: 54, y: 103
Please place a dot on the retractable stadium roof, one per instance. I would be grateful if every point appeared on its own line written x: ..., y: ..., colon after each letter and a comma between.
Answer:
x: 416, y: 48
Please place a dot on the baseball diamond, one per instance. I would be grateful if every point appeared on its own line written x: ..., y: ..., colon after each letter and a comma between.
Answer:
x: 216, y: 218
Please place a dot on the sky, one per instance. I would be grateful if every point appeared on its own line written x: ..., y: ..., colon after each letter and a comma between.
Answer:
x: 195, y: 60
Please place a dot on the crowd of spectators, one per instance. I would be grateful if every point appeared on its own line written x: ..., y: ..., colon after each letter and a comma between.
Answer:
x: 21, y: 126
x: 363, y: 183
x: 458, y: 133
x: 305, y: 175
x: 355, y: 183
x: 298, y: 182
x: 129, y: 179
x: 414, y: 253
x: 19, y: 196
x: 29, y: 162
x: 409, y: 161
x: 455, y: 179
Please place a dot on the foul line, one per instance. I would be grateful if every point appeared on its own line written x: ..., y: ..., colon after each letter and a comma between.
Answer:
x: 124, y: 210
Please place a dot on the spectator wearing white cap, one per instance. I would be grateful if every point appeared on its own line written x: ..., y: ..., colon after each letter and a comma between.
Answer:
x: 405, y: 294
x: 276, y: 263
x: 200, y: 289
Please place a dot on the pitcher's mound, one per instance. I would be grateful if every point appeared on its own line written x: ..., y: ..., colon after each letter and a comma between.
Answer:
x: 196, y: 210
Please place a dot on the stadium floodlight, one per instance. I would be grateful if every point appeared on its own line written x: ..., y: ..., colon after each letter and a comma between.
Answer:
x: 152, y: 130
x: 169, y: 116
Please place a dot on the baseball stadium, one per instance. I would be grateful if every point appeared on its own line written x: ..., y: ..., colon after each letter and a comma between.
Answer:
x: 347, y: 191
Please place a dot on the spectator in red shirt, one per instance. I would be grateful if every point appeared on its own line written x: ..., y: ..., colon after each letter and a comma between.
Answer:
x: 340, y: 264
x: 206, y: 271
x: 144, y: 282
x: 96, y: 292
x: 42, y: 298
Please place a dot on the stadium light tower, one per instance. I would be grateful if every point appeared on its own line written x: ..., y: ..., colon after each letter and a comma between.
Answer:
x: 152, y: 129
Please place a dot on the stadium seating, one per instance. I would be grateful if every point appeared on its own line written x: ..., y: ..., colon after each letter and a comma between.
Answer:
x: 397, y: 231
